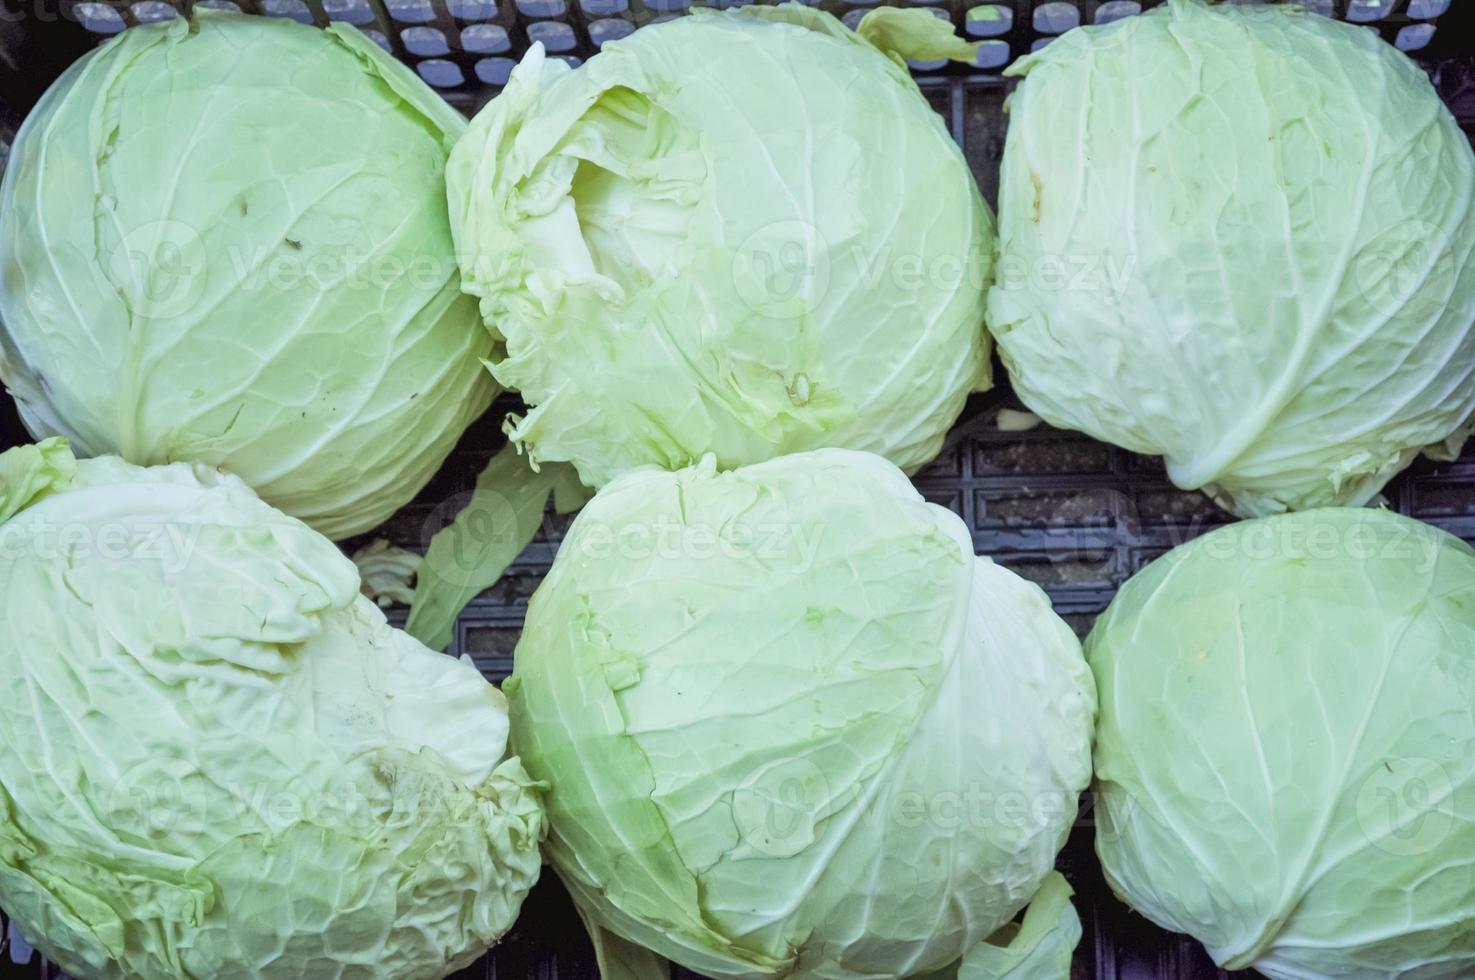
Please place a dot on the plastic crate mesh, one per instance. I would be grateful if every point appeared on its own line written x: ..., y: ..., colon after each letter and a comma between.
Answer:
x: 466, y: 48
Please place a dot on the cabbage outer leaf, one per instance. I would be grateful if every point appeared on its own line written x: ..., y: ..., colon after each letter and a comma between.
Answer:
x: 1242, y: 238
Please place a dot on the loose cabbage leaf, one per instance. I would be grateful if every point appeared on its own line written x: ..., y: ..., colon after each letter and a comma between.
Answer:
x: 915, y: 35
x: 31, y: 473
x: 470, y: 554
x: 1039, y: 948
x: 388, y: 572
x: 620, y: 959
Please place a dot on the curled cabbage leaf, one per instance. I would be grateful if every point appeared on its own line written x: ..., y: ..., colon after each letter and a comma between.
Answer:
x: 1242, y: 238
x: 225, y: 240
x: 744, y: 233
x: 218, y: 760
x: 793, y: 727
x: 1286, y: 753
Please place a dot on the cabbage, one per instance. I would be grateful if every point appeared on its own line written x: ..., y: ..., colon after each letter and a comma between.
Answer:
x: 744, y: 233
x: 217, y: 760
x: 1286, y: 753
x: 1240, y: 237
x: 225, y: 240
x: 794, y: 728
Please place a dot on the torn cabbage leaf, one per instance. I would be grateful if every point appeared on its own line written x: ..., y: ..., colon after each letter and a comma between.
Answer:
x: 743, y: 233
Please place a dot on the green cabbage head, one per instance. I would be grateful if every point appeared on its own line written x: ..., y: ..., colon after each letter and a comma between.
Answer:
x: 1286, y: 753
x: 744, y: 233
x: 217, y: 760
x: 794, y: 728
x: 1242, y: 238
x: 225, y: 240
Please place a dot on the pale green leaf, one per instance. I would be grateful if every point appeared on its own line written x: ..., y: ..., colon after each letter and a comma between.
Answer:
x: 31, y: 473
x: 915, y: 34
x: 470, y: 554
x: 1039, y: 948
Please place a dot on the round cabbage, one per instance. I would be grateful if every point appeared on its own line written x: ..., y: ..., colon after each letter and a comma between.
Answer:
x: 225, y: 240
x: 744, y: 233
x: 1286, y: 753
x: 217, y: 759
x: 794, y: 728
x: 1240, y: 237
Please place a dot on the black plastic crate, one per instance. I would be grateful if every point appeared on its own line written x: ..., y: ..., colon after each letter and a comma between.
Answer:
x: 1075, y: 515
x: 466, y: 48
